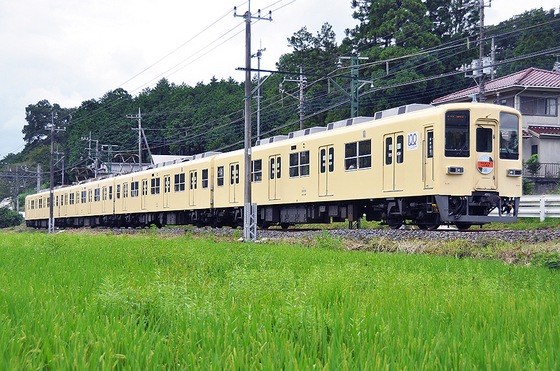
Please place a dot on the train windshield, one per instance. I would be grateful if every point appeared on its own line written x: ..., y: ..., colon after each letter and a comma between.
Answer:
x: 509, y: 136
x: 457, y: 125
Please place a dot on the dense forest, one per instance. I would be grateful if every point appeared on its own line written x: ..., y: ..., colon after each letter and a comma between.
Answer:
x: 408, y: 49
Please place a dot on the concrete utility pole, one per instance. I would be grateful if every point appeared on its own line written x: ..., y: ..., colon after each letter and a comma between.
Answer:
x: 258, y: 55
x: 482, y: 90
x: 139, y: 118
x: 302, y: 83
x: 250, y: 210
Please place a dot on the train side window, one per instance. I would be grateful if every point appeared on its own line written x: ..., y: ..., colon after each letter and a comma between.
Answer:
x: 509, y: 136
x: 104, y: 194
x: 90, y: 195
x: 40, y: 203
x: 97, y: 194
x: 179, y: 182
x: 304, y: 163
x: 56, y: 201
x: 388, y: 150
x: 118, y: 191
x: 294, y: 165
x: 272, y: 168
x: 400, y: 149
x: 430, y: 144
x: 155, y: 186
x: 331, y: 160
x: 483, y: 140
x: 457, y: 132
x: 71, y: 201
x: 110, y: 192
x: 134, y: 187
x: 351, y: 156
x: 125, y: 190
x: 364, y: 154
x: 256, y: 170
x: 220, y: 176
x: 205, y: 178
x: 83, y: 197
x: 323, y: 161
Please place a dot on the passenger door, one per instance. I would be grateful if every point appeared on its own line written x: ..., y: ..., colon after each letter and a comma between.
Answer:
x: 192, y: 186
x: 166, y: 190
x: 234, y: 182
x: 428, y: 157
x: 144, y: 194
x: 485, y: 150
x: 393, y: 164
x: 326, y: 168
x: 274, y: 166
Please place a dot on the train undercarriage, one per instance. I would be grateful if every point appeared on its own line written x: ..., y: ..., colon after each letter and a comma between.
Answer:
x: 427, y: 212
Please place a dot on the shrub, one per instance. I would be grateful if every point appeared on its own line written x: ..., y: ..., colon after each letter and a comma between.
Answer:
x: 533, y: 165
x: 9, y: 218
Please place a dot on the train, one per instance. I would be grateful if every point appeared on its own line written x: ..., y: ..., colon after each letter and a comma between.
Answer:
x: 457, y: 164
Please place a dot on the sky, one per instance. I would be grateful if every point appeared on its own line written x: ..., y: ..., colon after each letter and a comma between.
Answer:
x: 69, y: 51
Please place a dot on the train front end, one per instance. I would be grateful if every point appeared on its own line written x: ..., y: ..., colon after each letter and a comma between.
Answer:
x: 481, y: 167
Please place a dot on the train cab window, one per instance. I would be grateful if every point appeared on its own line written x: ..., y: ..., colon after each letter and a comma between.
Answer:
x: 256, y: 171
x: 205, y: 178
x: 457, y: 125
x: 509, y: 136
x: 483, y: 140
x: 118, y: 191
x: 179, y: 182
x: 155, y: 186
x: 220, y: 176
x: 388, y: 150
x: 400, y: 149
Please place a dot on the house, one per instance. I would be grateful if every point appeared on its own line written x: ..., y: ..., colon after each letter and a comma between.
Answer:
x: 535, y: 93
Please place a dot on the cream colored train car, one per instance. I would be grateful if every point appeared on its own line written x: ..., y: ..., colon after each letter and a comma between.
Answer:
x: 415, y: 164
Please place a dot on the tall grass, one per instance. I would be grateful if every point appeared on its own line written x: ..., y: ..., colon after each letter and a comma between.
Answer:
x: 146, y: 302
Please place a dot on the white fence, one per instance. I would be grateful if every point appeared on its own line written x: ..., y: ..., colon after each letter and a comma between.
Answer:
x: 544, y: 206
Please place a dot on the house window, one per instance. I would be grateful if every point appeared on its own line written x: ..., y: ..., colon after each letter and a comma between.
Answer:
x: 299, y: 164
x: 204, y: 178
x: 179, y: 182
x: 220, y: 176
x: 534, y: 149
x: 256, y: 171
x: 538, y: 106
x: 155, y: 186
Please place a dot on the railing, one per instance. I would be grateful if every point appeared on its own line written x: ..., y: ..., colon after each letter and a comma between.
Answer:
x: 539, y: 206
x: 546, y: 170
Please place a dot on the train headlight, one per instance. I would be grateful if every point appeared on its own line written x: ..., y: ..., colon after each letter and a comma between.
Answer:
x: 513, y: 172
x: 455, y: 170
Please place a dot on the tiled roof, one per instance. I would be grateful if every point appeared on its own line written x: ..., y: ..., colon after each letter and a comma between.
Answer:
x: 531, y: 77
x: 539, y: 130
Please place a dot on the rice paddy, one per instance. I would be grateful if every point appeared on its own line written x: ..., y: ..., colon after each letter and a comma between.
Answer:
x: 146, y: 302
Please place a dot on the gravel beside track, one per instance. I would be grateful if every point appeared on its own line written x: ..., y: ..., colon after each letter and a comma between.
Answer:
x: 511, y: 236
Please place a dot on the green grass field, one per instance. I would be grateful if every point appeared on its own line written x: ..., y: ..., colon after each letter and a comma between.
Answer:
x: 143, y: 302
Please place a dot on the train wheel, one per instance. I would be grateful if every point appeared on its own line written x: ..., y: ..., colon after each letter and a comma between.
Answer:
x: 463, y: 225
x: 394, y: 223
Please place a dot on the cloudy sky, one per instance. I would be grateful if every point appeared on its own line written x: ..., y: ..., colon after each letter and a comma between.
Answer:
x: 68, y: 51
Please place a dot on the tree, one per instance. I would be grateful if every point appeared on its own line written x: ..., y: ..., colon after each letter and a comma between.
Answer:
x: 39, y: 117
x: 9, y: 218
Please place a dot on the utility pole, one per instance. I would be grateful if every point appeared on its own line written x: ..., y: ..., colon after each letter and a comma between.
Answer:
x: 302, y: 83
x: 139, y: 118
x: 51, y: 206
x: 95, y: 161
x: 110, y: 156
x: 250, y: 210
x: 259, y: 55
x: 482, y: 90
x: 354, y: 84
